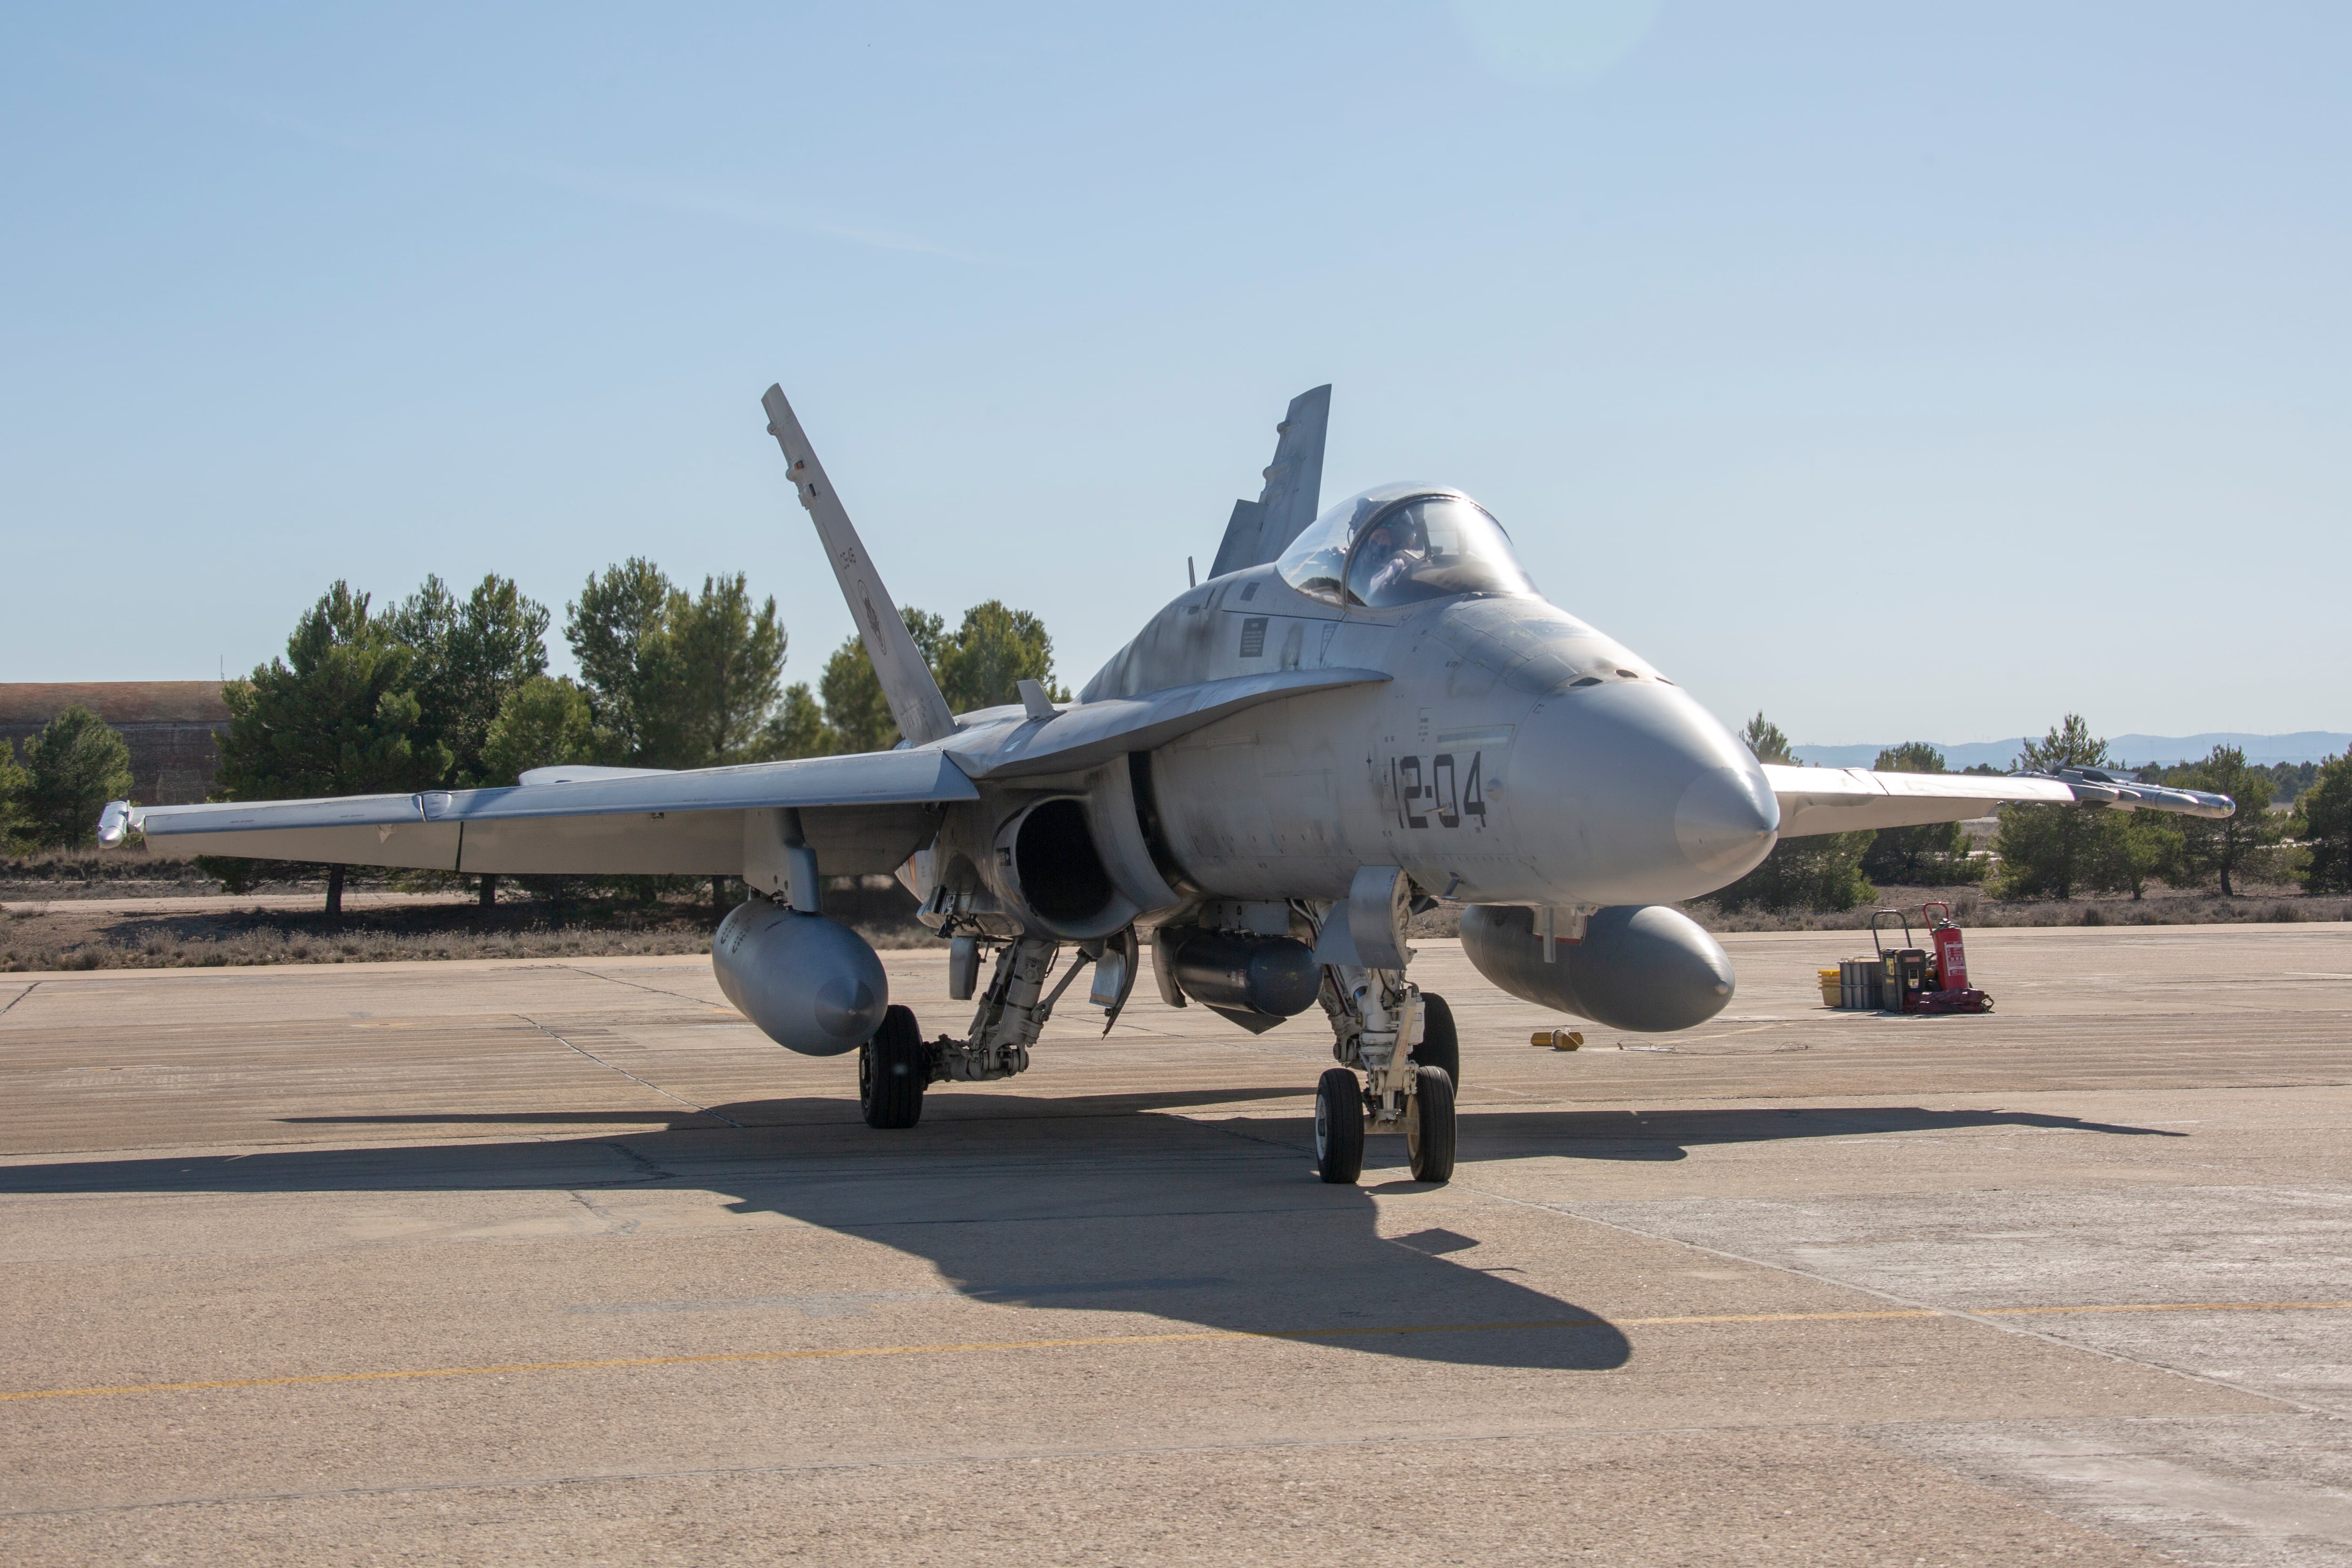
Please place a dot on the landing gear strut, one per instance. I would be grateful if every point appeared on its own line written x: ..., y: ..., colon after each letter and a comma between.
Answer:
x: 1406, y: 1046
x: 897, y: 1064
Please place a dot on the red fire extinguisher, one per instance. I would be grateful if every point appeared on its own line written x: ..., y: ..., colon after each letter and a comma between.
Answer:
x: 1951, y: 959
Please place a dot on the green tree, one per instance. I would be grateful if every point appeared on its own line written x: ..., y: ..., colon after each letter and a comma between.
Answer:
x: 15, y: 827
x: 1818, y: 871
x: 2325, y: 824
x: 855, y: 713
x: 729, y: 661
x: 2069, y: 744
x: 1935, y: 852
x: 2131, y: 848
x: 543, y: 722
x: 995, y: 649
x: 470, y: 657
x: 338, y: 715
x: 2238, y: 845
x: 797, y: 728
x: 620, y: 631
x: 1766, y: 739
x: 979, y: 666
x: 2051, y: 850
x: 72, y: 768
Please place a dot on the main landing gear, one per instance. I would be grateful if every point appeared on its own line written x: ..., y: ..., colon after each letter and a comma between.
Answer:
x: 893, y: 1069
x: 1406, y: 1046
x: 897, y: 1064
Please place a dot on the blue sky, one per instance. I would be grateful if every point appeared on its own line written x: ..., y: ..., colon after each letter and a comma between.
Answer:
x: 1896, y: 370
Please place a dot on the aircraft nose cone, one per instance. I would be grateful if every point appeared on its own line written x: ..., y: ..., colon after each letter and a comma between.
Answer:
x: 1642, y: 797
x: 1726, y: 820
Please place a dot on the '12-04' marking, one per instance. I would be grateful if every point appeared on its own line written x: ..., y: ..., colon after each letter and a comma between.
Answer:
x: 1443, y: 788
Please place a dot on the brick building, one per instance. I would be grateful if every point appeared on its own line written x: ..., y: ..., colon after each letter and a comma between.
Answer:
x: 169, y: 724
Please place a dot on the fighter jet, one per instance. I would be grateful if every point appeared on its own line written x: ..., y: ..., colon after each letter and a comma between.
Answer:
x: 1360, y: 711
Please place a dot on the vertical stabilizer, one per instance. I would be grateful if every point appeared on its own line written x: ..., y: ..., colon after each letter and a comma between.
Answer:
x: 1262, y: 529
x: 906, y: 684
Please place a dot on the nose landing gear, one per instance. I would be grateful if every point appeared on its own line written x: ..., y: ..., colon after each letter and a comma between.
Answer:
x: 1406, y: 1046
x: 1338, y: 1127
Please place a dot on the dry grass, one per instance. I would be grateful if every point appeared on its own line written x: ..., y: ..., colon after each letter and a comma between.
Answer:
x: 680, y: 920
x: 64, y: 938
x: 1970, y: 908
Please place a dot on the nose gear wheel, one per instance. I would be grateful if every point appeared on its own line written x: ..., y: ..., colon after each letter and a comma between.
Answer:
x: 1429, y: 1127
x: 1338, y: 1127
x: 1441, y: 1044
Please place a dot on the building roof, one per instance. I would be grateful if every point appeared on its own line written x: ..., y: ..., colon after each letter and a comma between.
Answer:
x: 117, y: 702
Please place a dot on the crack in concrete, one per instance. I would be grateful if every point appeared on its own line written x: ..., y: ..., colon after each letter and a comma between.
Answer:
x: 625, y: 1073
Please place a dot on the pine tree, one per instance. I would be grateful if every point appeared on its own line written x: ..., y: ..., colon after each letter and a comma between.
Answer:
x: 1817, y: 872
x: 856, y: 715
x: 1935, y: 852
x: 2238, y: 845
x: 72, y: 768
x: 2051, y: 850
x: 470, y: 657
x: 2325, y: 824
x: 15, y: 827
x: 995, y: 649
x: 797, y: 728
x: 730, y: 663
x: 338, y: 715
x: 621, y: 632
x: 543, y: 722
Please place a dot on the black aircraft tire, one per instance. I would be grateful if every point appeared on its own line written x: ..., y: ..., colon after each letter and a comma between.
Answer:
x: 892, y: 1071
x: 1430, y: 1145
x: 1441, y: 1043
x: 1338, y: 1127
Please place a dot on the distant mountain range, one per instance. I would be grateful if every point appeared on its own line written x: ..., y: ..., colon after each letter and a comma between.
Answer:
x: 2303, y: 746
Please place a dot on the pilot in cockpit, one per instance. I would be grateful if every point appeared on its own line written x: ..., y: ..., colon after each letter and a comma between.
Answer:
x: 1388, y: 556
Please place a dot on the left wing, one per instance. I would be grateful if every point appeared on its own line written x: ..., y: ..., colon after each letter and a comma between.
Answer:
x: 1843, y: 799
x: 862, y: 814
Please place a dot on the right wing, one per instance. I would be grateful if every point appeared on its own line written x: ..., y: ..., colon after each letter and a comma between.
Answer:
x: 862, y: 814
x: 1843, y: 799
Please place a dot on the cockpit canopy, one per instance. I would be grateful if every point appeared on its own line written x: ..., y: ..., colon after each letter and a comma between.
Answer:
x: 1401, y: 545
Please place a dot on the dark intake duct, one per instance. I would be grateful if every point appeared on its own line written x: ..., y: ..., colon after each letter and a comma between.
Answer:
x: 1273, y: 976
x: 1643, y: 967
x: 812, y: 985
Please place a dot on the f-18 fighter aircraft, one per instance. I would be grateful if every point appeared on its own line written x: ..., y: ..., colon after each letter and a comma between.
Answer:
x: 1362, y: 710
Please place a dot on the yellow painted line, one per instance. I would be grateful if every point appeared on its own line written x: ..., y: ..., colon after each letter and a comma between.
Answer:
x: 1183, y: 1337
x: 2163, y: 1307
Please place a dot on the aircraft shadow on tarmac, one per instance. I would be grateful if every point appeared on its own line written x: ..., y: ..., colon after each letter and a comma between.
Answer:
x: 1095, y: 1205
x: 1661, y: 1135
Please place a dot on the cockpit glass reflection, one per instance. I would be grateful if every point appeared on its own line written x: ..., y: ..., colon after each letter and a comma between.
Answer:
x: 1432, y: 548
x: 1427, y: 547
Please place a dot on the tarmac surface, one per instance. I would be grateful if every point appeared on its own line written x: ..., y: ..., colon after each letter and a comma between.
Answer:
x: 538, y: 1262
